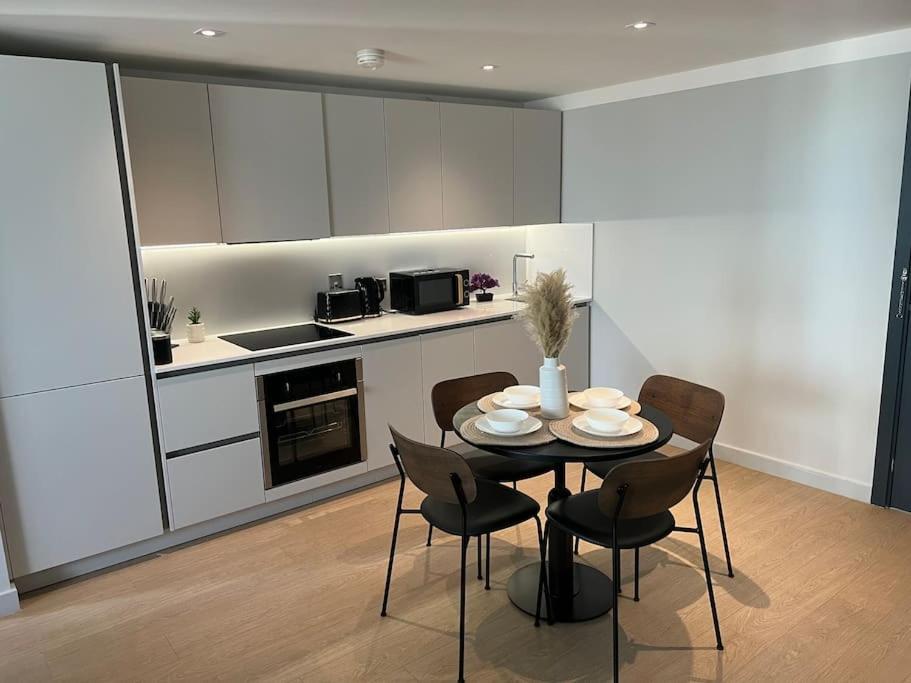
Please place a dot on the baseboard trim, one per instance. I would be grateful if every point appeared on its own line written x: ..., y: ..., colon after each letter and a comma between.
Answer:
x: 810, y: 476
x: 9, y: 601
x: 153, y: 546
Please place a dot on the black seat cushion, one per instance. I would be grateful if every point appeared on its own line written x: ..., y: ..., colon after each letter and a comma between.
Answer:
x: 495, y: 507
x: 501, y: 468
x: 580, y: 516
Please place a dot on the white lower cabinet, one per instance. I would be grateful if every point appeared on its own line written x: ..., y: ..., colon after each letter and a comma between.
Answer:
x: 576, y: 354
x: 506, y: 346
x: 215, y: 482
x: 205, y: 407
x: 444, y: 355
x: 77, y: 473
x: 394, y: 395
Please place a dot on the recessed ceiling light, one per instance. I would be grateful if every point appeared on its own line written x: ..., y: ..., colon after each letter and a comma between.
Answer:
x: 489, y: 67
x: 640, y: 25
x: 208, y: 32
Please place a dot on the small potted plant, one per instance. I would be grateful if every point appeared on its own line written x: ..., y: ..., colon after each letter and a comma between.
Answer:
x: 483, y: 282
x: 196, y: 329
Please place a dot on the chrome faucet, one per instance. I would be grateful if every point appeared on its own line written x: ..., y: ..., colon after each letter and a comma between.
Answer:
x: 515, y: 276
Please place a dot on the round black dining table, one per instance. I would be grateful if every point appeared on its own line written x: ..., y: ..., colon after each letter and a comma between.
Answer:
x: 578, y: 591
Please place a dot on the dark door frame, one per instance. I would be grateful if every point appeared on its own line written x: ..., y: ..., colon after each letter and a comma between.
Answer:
x: 896, y: 340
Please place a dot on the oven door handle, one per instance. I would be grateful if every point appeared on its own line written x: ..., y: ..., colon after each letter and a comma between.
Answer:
x: 313, y: 400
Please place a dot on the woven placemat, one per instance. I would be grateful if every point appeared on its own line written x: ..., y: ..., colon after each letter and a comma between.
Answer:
x: 470, y: 432
x: 633, y: 408
x: 564, y: 430
x: 486, y: 405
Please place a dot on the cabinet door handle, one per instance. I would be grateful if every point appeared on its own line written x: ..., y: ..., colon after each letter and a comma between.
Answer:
x: 901, y: 293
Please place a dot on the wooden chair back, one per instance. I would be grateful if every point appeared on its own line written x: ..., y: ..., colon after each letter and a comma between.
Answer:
x: 448, y: 396
x: 429, y: 468
x: 652, y: 486
x: 695, y: 410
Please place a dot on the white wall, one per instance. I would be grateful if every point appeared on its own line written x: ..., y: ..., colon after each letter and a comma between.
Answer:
x: 246, y: 286
x: 566, y: 246
x: 745, y: 241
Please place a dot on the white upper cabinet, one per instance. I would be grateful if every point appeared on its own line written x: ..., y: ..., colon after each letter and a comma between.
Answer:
x: 477, y: 143
x: 538, y: 153
x: 170, y: 142
x: 356, y: 163
x: 414, y: 165
x: 270, y: 160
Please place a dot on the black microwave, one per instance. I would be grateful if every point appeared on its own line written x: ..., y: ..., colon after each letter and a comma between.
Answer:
x: 428, y: 290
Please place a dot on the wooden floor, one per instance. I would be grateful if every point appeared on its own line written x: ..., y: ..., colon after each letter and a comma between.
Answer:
x: 822, y: 592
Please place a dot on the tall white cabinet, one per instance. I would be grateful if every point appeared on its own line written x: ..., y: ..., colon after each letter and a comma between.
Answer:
x: 77, y: 465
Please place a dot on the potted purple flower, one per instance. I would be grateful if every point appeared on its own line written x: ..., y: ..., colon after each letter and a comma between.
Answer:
x: 483, y: 282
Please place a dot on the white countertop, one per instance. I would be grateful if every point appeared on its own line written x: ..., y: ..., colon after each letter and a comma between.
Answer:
x: 215, y: 351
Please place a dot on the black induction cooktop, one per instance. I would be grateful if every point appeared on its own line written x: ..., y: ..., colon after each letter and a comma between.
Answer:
x: 276, y: 337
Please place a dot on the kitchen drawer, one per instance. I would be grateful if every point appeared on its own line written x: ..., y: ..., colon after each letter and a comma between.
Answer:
x: 206, y: 407
x: 215, y: 482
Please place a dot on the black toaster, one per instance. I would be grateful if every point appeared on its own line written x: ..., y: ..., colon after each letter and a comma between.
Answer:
x: 338, y: 306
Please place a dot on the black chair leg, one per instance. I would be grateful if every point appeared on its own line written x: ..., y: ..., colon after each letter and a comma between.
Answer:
x: 581, y: 489
x: 543, y: 585
x: 465, y: 540
x: 708, y: 575
x: 636, y: 584
x: 615, y: 554
x: 487, y: 566
x: 480, y: 559
x: 515, y: 486
x: 724, y: 532
x: 395, y: 533
x: 429, y: 534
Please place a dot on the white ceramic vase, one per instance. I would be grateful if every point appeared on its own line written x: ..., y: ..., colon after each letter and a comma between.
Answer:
x: 196, y: 333
x: 554, y: 396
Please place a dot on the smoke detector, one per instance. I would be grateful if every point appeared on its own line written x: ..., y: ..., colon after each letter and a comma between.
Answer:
x: 370, y: 58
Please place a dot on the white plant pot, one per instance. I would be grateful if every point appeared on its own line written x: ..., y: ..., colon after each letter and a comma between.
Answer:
x: 554, y: 396
x: 196, y: 333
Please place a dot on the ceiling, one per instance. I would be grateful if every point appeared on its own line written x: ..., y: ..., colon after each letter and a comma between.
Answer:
x: 543, y: 47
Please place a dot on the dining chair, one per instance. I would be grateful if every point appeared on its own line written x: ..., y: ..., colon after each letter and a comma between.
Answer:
x: 695, y: 412
x: 458, y: 503
x: 446, y: 398
x: 632, y: 509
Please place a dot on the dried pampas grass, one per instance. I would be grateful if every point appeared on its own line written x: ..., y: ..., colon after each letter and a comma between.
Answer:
x: 550, y: 315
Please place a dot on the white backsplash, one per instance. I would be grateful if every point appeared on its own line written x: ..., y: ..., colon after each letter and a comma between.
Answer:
x: 248, y: 286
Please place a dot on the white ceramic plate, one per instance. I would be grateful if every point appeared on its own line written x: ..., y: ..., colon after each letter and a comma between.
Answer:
x: 578, y: 400
x: 630, y: 427
x: 532, y: 424
x: 500, y: 399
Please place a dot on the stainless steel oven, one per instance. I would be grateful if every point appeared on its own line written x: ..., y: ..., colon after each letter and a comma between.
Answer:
x: 311, y: 420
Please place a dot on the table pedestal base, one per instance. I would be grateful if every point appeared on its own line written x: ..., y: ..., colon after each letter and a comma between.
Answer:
x: 593, y: 593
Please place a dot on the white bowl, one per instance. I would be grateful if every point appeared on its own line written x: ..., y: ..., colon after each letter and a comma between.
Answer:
x: 607, y: 420
x: 523, y: 394
x: 507, y: 420
x: 602, y: 397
